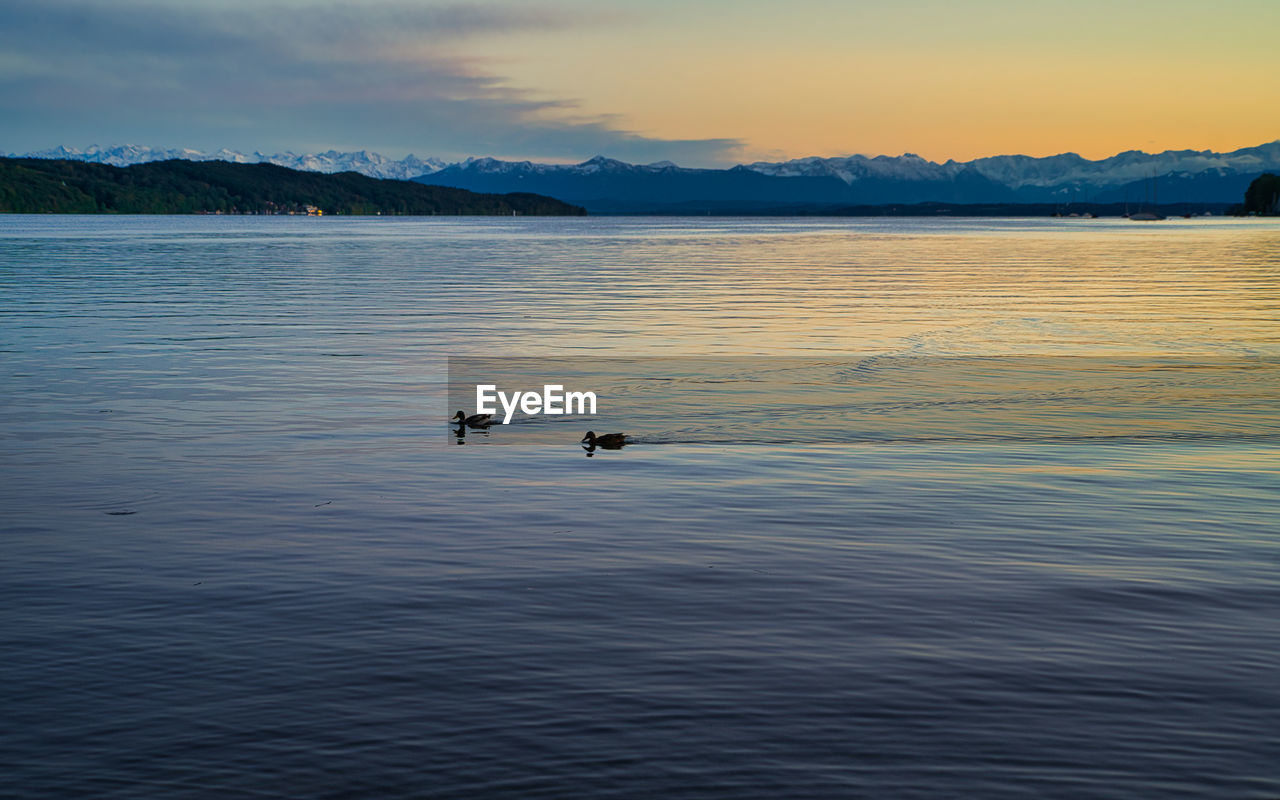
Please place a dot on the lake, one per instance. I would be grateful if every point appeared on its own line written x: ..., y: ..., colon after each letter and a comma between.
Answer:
x: 916, y: 508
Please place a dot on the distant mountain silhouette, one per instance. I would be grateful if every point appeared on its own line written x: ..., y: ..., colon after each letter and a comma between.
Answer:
x: 604, y: 185
x: 804, y: 185
x: 364, y: 162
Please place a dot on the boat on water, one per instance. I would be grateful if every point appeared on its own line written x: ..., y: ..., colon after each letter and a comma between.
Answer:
x: 1150, y: 213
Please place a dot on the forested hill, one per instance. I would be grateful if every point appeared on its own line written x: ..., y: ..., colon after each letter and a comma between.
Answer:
x: 34, y: 185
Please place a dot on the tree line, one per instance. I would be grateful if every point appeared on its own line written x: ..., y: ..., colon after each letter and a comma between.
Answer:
x: 54, y: 186
x: 1263, y: 196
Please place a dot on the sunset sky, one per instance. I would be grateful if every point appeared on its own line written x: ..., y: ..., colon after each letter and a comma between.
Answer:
x: 709, y: 83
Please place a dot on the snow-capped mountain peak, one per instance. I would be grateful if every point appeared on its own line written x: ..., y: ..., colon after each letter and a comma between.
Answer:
x: 1018, y: 171
x: 364, y: 162
x: 909, y: 177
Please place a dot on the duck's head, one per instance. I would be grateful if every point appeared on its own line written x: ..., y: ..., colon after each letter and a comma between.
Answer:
x: 460, y: 416
x: 590, y: 437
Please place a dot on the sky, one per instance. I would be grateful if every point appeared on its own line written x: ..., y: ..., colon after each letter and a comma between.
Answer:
x: 701, y: 83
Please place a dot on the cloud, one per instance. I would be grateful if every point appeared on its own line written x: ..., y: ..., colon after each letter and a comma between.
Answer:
x: 394, y: 76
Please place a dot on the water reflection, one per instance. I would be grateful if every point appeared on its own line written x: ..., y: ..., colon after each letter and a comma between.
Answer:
x: 266, y: 552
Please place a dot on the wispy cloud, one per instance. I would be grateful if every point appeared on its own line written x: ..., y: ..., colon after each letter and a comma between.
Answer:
x: 389, y: 75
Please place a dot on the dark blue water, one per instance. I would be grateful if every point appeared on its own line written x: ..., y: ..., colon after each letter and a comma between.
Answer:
x: 239, y: 556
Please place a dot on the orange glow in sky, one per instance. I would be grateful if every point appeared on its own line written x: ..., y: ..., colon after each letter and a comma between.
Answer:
x: 943, y: 80
x: 709, y: 83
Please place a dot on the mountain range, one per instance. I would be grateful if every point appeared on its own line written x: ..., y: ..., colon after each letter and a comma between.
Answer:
x: 605, y: 185
x: 373, y: 165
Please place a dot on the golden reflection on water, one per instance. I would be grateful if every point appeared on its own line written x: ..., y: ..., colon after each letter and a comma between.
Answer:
x: 902, y: 329
x: 930, y: 287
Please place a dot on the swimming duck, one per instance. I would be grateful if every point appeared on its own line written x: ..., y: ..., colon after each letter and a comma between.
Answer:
x: 609, y: 441
x: 473, y: 421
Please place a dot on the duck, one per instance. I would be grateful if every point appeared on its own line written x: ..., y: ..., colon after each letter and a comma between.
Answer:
x: 609, y: 441
x: 473, y: 421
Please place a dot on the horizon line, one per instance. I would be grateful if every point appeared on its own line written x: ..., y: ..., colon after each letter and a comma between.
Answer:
x: 97, y: 148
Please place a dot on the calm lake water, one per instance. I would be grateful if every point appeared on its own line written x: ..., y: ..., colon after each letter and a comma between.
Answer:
x: 1036, y: 553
